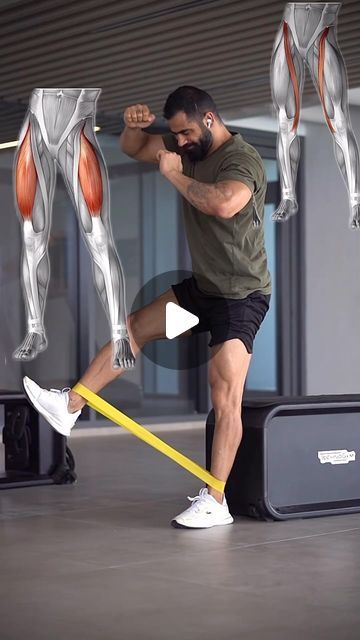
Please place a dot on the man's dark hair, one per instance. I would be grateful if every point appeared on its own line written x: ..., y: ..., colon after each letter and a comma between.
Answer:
x: 194, y: 102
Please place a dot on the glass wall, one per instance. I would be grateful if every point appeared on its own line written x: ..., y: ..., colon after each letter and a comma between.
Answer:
x: 11, y: 326
x: 149, y: 237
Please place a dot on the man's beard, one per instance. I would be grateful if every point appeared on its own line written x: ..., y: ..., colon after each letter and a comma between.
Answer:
x: 199, y: 150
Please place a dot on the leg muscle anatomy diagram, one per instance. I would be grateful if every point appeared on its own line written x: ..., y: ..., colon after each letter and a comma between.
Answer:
x: 307, y: 36
x: 59, y: 131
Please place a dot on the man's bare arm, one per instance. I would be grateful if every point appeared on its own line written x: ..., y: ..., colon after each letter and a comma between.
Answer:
x: 134, y: 141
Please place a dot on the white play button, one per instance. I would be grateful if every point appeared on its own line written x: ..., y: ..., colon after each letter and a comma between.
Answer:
x: 178, y: 320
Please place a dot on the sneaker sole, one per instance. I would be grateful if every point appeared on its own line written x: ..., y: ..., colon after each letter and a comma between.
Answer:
x: 43, y: 412
x: 177, y: 525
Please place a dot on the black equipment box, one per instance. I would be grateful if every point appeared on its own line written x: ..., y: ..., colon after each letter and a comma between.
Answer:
x: 299, y: 457
x: 34, y: 453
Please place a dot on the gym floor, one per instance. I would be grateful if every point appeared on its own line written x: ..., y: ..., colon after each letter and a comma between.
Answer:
x: 99, y: 559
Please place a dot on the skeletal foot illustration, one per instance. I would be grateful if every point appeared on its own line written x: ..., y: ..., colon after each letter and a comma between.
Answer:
x: 33, y: 344
x: 287, y: 207
x: 355, y: 218
x: 123, y: 357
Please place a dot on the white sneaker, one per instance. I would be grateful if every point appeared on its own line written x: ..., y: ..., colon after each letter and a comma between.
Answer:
x: 204, y: 512
x: 52, y: 405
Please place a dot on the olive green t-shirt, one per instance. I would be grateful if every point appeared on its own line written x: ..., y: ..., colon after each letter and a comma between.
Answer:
x: 228, y: 255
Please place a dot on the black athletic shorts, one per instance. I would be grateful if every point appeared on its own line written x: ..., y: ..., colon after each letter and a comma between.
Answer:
x: 225, y: 318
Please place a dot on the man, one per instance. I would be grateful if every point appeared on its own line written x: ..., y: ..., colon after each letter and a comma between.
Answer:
x: 223, y: 184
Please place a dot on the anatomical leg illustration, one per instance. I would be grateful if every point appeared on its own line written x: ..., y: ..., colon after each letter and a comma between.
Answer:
x: 307, y: 36
x: 58, y: 131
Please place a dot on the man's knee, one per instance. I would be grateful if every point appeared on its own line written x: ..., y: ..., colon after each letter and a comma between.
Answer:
x: 227, y: 408
x: 225, y: 397
x: 136, y: 329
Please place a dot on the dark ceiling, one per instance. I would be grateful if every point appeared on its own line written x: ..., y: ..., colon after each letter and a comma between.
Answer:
x: 139, y: 51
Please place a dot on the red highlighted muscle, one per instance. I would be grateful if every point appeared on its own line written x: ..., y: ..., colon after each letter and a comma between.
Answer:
x: 25, y: 178
x: 90, y: 176
x: 321, y: 76
x: 292, y: 76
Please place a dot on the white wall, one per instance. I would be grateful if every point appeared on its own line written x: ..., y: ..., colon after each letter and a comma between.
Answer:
x: 331, y: 269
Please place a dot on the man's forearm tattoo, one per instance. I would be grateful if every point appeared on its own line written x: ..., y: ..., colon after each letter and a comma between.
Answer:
x: 201, y: 193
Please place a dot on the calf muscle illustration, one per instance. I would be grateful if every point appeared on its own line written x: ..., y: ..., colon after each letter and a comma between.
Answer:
x: 307, y: 36
x: 58, y: 131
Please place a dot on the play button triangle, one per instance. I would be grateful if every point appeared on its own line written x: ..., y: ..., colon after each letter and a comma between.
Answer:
x: 178, y: 320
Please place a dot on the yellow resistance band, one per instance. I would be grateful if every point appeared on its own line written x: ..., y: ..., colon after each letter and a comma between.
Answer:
x: 95, y: 402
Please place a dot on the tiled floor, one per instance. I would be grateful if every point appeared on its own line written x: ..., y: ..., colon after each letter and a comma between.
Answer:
x: 99, y: 560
